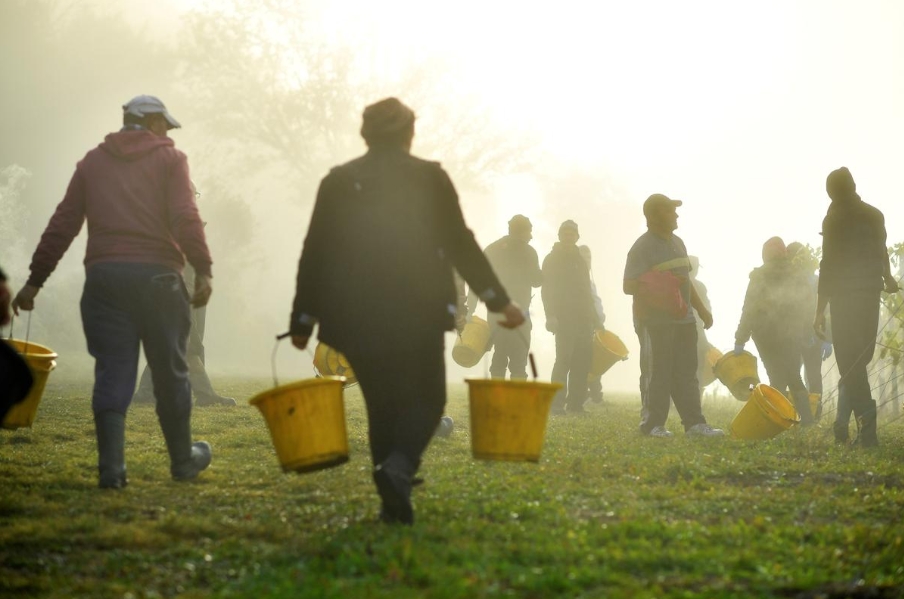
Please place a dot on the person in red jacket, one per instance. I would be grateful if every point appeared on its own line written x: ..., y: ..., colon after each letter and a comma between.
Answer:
x: 134, y: 191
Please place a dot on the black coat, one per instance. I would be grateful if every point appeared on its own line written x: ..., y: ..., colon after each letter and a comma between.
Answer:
x: 376, y: 268
x: 566, y: 288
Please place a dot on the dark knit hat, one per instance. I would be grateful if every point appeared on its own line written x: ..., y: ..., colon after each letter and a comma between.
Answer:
x: 386, y: 119
x: 569, y: 224
x: 519, y: 222
x: 840, y: 184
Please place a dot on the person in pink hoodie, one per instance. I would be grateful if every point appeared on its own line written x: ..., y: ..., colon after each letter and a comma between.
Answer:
x: 135, y: 193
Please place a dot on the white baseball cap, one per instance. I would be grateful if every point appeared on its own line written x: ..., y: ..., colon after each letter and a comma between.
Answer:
x: 144, y: 105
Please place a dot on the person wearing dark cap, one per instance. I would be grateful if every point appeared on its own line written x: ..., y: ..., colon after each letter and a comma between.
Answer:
x: 571, y: 317
x: 516, y: 264
x: 134, y: 190
x: 376, y: 275
x: 657, y: 275
x: 853, y: 272
x: 776, y: 314
x: 815, y: 351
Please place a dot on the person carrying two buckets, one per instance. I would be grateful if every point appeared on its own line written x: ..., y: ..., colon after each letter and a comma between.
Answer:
x: 776, y: 314
x: 376, y: 276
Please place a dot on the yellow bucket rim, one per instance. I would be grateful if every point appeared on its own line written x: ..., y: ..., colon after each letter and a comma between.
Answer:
x: 731, y: 355
x: 618, y: 348
x: 762, y: 398
x: 511, y: 383
x: 19, y: 344
x: 315, y: 382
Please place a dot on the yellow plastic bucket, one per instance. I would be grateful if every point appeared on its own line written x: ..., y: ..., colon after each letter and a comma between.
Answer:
x: 41, y: 360
x: 708, y: 371
x: 330, y: 362
x: 738, y: 373
x: 472, y: 343
x: 508, y: 418
x: 607, y: 350
x: 816, y: 405
x: 766, y: 414
x: 307, y: 423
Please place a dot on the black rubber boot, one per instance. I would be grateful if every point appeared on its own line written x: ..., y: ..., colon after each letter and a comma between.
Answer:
x: 868, y: 437
x: 187, y: 459
x: 111, y: 439
x: 393, y: 478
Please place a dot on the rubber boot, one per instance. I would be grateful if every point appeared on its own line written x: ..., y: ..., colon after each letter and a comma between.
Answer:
x: 111, y: 439
x: 187, y: 459
x: 842, y: 421
x: 393, y: 478
x: 868, y: 437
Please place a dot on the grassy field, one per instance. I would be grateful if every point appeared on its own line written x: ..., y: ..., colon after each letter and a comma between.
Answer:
x: 606, y: 513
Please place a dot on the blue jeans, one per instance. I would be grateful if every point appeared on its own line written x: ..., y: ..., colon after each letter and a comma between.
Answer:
x: 124, y: 305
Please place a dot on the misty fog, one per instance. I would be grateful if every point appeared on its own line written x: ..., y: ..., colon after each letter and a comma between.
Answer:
x: 562, y: 112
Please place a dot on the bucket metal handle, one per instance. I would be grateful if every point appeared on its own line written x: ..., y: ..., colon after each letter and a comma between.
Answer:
x: 12, y: 324
x: 279, y: 338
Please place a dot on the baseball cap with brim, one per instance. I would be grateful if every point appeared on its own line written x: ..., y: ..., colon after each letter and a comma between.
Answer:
x: 655, y: 201
x: 144, y: 105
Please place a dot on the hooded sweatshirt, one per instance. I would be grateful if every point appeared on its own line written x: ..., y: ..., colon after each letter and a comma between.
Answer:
x: 134, y: 190
x: 854, y: 257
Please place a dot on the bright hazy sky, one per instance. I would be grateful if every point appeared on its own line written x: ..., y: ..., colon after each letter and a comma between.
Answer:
x: 738, y: 108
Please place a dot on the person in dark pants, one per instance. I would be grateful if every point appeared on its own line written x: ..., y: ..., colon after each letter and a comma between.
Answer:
x: 853, y: 272
x: 657, y: 275
x: 376, y: 274
x: 518, y: 267
x: 134, y: 190
x: 570, y: 316
x: 777, y: 314
x: 201, y: 387
x: 815, y: 351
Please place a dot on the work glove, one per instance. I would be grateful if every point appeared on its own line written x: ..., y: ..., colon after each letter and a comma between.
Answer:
x: 826, y: 350
x: 738, y: 349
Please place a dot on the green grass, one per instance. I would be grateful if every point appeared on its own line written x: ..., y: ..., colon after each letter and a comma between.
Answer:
x: 605, y: 513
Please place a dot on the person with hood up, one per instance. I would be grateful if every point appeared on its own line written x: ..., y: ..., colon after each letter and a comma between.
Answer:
x: 516, y: 264
x: 777, y: 313
x: 571, y: 317
x: 134, y: 190
x: 657, y: 276
x: 376, y: 276
x: 853, y: 272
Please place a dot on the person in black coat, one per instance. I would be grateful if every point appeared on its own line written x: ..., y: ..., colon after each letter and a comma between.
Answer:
x: 570, y: 316
x: 853, y: 271
x: 376, y: 275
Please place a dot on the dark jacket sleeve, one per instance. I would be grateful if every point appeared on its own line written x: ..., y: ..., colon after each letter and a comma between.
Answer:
x: 63, y: 227
x: 308, y: 283
x: 831, y: 255
x: 462, y: 249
